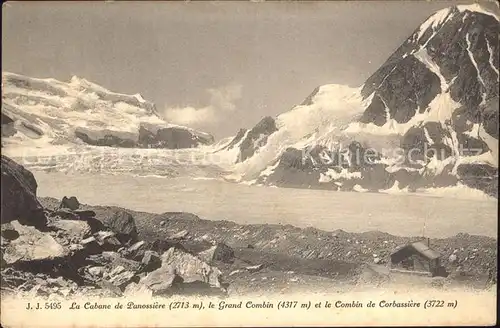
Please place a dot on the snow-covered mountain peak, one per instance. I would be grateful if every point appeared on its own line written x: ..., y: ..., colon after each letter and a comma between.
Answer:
x: 438, y: 91
x: 44, y: 112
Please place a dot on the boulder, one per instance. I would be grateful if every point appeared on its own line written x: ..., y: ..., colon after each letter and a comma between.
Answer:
x: 123, y: 224
x: 113, y: 259
x: 137, y: 246
x: 32, y: 245
x: 70, y: 203
x: 136, y: 251
x: 161, y: 280
x: 107, y: 240
x: 190, y: 268
x: 72, y: 229
x: 97, y: 271
x: 120, y: 277
x: 219, y: 252
x: 151, y: 261
x: 18, y: 197
x: 91, y: 246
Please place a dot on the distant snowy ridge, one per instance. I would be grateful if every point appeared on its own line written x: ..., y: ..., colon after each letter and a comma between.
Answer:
x: 46, y: 112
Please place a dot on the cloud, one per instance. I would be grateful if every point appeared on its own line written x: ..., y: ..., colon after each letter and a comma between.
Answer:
x: 222, y: 101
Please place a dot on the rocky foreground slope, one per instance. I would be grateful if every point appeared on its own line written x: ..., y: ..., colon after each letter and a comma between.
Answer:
x: 88, y: 250
x: 427, y: 118
x: 47, y: 112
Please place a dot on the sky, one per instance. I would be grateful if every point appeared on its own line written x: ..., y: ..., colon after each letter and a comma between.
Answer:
x: 214, y: 66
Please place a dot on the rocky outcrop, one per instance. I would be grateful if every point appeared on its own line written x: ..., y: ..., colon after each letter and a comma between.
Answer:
x: 257, y: 137
x: 248, y: 142
x: 479, y: 176
x: 352, y: 169
x: 172, y: 138
x: 19, y: 201
x: 147, y: 137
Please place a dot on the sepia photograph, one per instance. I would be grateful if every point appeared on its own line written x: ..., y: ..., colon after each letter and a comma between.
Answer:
x: 249, y: 163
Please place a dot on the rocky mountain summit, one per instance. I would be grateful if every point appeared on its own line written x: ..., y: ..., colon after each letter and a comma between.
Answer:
x: 48, y: 112
x: 427, y: 118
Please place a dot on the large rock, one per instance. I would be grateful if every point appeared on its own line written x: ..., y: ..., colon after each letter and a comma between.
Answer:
x: 219, y: 252
x: 190, y: 268
x: 161, y: 280
x: 32, y: 245
x: 107, y: 240
x: 19, y: 201
x: 120, y: 277
x: 151, y: 261
x: 122, y: 223
x: 113, y: 259
x: 70, y: 203
x: 72, y: 229
x: 136, y: 251
x: 183, y: 273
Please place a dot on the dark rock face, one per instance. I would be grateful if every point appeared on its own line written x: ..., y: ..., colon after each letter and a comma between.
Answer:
x: 170, y: 138
x: 308, y: 101
x: 404, y: 84
x: 105, y: 138
x: 220, y: 252
x: 359, y: 169
x: 71, y: 203
x: 410, y: 86
x: 256, y: 138
x: 19, y: 201
x: 8, y: 129
x: 479, y: 176
x: 489, y: 114
x: 241, y: 133
x: 6, y: 119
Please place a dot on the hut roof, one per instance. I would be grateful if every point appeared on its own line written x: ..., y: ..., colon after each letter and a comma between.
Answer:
x: 419, y: 247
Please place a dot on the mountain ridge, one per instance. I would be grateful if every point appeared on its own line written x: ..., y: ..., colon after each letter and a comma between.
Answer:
x: 51, y: 112
x: 437, y: 91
